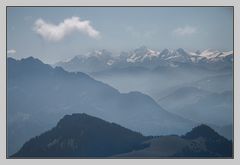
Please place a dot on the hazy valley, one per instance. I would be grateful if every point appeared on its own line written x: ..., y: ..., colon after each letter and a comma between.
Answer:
x: 154, y: 93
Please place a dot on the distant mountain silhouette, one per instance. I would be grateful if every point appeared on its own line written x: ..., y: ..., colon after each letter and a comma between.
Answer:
x: 93, y: 61
x: 181, y: 97
x: 38, y: 95
x: 81, y: 135
x: 200, y: 105
x: 216, y: 109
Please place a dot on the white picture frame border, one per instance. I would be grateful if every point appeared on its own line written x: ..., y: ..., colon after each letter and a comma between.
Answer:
x: 5, y: 3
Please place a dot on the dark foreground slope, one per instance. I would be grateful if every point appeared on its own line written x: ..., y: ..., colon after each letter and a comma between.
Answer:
x: 81, y: 135
x: 201, y: 141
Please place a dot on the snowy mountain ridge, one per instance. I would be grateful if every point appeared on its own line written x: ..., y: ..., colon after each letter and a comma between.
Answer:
x: 143, y: 56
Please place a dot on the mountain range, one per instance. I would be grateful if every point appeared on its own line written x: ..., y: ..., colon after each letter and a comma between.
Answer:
x: 38, y: 95
x: 156, y: 93
x: 100, y: 60
x: 200, y: 105
x: 190, y: 88
x: 81, y: 135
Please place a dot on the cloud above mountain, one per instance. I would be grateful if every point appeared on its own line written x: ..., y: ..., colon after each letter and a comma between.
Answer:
x: 184, y: 31
x: 52, y: 32
x: 11, y: 51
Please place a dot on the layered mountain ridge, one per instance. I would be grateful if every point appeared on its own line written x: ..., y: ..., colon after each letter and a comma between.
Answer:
x: 39, y: 94
x: 81, y: 135
x: 152, y: 92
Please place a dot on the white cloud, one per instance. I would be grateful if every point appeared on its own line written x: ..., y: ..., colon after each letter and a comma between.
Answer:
x: 183, y: 31
x: 53, y: 32
x: 11, y: 51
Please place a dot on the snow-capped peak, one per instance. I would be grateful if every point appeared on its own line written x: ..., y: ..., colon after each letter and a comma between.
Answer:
x: 141, y: 54
x: 210, y: 53
x: 164, y: 52
x: 99, y: 54
x: 225, y: 54
x: 152, y: 52
x: 110, y: 62
x: 146, y: 57
x: 175, y: 55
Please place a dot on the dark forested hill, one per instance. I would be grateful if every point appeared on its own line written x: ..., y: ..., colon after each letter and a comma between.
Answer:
x: 81, y: 135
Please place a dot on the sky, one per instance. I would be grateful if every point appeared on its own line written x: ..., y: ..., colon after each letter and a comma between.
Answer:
x: 54, y: 34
